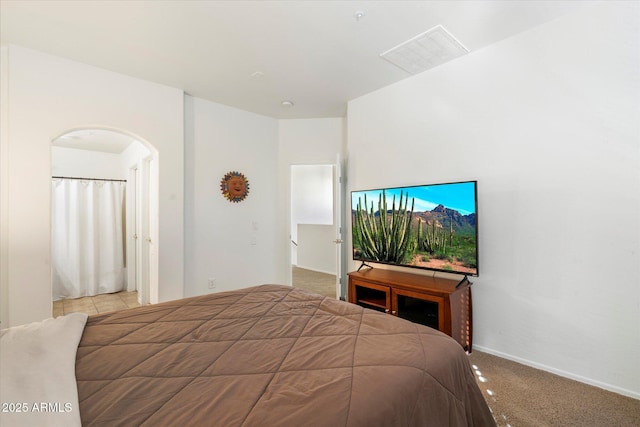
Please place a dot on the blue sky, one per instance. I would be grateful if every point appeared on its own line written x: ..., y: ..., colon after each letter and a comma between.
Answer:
x: 458, y: 196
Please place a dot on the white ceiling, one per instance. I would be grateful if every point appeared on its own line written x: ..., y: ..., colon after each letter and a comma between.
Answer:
x: 254, y: 54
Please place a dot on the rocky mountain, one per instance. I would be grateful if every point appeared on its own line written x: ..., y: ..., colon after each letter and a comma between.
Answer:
x: 444, y: 216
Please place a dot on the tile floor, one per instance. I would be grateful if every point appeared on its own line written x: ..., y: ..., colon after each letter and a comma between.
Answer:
x: 97, y: 304
x: 321, y: 283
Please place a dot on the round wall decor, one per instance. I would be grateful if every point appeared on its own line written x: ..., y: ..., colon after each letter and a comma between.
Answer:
x: 234, y: 186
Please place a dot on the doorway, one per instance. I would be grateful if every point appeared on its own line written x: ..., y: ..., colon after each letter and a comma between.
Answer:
x: 104, y: 156
x: 315, y: 229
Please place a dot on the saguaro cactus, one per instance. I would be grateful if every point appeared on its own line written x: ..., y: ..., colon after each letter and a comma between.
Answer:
x: 387, y: 238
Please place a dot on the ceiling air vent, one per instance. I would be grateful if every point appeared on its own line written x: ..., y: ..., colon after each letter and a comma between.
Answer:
x: 427, y: 50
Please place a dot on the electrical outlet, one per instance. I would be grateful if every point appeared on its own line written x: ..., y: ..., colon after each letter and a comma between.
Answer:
x: 212, y: 283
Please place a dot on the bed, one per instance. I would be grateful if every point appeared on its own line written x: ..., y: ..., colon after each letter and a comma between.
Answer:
x: 271, y: 355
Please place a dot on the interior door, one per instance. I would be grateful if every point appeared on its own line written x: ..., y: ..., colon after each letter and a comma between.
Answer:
x: 337, y: 219
x: 133, y: 231
x: 145, y: 236
x: 153, y: 215
x: 143, y: 240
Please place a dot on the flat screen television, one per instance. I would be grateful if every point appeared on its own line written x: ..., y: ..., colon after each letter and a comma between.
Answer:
x: 433, y: 227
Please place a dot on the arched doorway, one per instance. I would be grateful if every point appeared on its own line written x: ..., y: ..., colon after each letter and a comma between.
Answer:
x: 105, y: 157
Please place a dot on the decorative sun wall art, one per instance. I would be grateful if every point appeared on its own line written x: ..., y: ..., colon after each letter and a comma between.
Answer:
x: 234, y: 186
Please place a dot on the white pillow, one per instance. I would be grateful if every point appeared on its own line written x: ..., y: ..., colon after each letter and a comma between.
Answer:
x: 37, y: 372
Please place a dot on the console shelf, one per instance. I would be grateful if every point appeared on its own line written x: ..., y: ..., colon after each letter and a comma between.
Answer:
x: 439, y: 303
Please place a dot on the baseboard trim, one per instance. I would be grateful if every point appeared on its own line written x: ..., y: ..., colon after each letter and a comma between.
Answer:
x: 559, y: 372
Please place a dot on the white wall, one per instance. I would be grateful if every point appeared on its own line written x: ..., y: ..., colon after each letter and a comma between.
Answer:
x: 47, y: 96
x: 219, y: 234
x: 316, y: 247
x: 547, y: 122
x: 312, y: 194
x: 133, y: 156
x: 79, y: 163
x: 4, y: 189
x: 72, y: 162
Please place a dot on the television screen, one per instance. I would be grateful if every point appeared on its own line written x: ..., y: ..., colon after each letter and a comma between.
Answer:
x: 433, y: 227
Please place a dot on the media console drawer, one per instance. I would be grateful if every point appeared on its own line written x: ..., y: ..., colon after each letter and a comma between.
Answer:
x: 439, y: 303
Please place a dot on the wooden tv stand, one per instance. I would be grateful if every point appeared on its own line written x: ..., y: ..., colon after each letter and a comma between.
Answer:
x: 442, y: 304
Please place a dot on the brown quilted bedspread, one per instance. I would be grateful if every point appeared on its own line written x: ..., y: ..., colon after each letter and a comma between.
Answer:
x: 268, y: 356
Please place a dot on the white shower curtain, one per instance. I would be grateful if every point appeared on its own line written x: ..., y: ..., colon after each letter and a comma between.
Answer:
x: 87, y: 237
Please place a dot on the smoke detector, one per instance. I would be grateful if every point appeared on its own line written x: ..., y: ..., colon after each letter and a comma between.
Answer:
x: 427, y: 50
